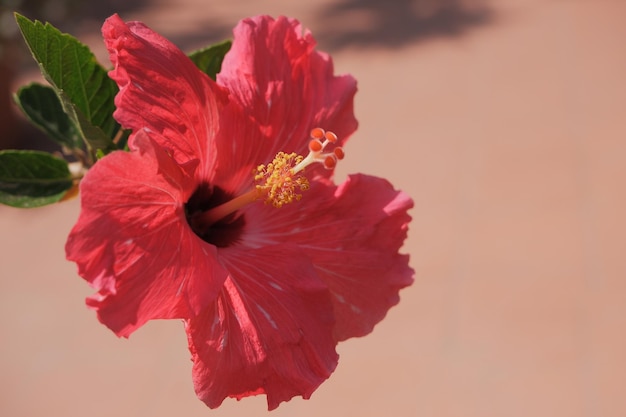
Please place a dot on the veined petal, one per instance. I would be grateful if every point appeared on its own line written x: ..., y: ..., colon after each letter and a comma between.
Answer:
x: 269, y: 331
x: 163, y: 93
x: 352, y: 234
x: 133, y: 244
x: 294, y: 94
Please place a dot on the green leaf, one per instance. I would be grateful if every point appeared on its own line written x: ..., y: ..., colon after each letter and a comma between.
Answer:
x: 82, y: 85
x: 209, y: 60
x: 42, y: 106
x: 32, y: 178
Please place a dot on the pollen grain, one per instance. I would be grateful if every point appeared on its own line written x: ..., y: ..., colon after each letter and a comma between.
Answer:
x: 278, y: 182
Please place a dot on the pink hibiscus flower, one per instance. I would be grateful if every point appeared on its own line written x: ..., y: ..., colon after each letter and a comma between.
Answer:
x: 171, y: 229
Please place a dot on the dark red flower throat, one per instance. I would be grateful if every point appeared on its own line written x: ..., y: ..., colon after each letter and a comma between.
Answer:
x: 221, y: 233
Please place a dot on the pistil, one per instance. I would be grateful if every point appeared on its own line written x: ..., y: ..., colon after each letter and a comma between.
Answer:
x: 205, y: 219
x: 279, y: 182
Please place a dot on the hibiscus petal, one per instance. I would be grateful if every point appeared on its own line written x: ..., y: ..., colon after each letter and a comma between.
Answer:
x: 133, y: 244
x: 288, y: 98
x: 269, y: 331
x: 163, y: 93
x: 352, y: 234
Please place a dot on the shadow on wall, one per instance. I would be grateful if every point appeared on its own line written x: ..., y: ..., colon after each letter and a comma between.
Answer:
x: 71, y: 15
x: 341, y: 24
x: 395, y: 23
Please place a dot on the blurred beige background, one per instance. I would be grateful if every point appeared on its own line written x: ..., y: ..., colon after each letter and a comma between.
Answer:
x: 504, y: 120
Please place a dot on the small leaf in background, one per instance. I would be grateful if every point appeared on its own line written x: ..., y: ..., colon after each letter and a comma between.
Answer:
x: 209, y: 60
x: 32, y: 178
x: 42, y: 106
x: 85, y: 90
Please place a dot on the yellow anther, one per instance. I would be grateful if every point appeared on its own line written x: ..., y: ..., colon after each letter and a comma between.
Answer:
x: 278, y: 183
